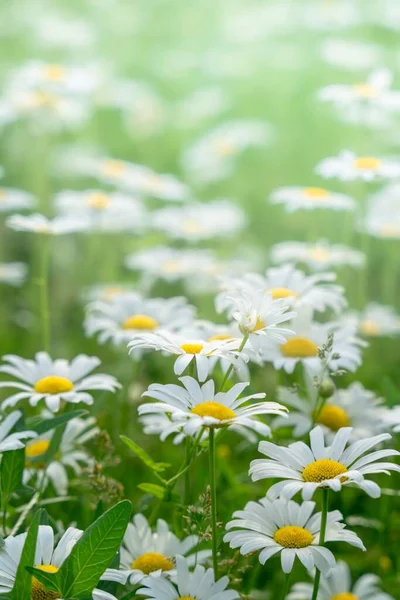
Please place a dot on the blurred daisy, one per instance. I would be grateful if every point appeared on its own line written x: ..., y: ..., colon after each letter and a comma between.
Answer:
x: 347, y: 166
x: 337, y: 586
x: 61, y: 31
x: 352, y: 55
x: 290, y: 529
x: 70, y: 455
x: 317, y: 256
x: 392, y: 418
x: 157, y: 425
x: 212, y: 157
x: 106, y: 292
x: 306, y: 469
x: 38, y: 223
x: 330, y: 17
x: 197, y: 221
x: 202, y: 105
x: 126, y: 315
x: 146, y: 552
x: 54, y: 381
x: 354, y: 406
x: 378, y: 320
x: 12, y: 441
x: 13, y: 273
x: 309, y: 198
x: 199, y: 584
x: 383, y: 215
x: 12, y: 199
x: 194, y: 406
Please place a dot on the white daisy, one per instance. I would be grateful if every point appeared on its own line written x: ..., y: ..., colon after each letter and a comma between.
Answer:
x: 197, y: 585
x: 310, y: 198
x: 157, y: 424
x: 392, y: 418
x: 194, y: 406
x: 317, y: 256
x: 347, y: 166
x: 12, y: 441
x: 13, y: 273
x: 308, y: 468
x: 337, y: 586
x: 383, y: 216
x: 40, y: 224
x: 54, y: 381
x: 70, y: 454
x: 377, y: 320
x: 106, y: 292
x: 12, y: 199
x: 144, y: 551
x: 352, y: 55
x: 289, y: 528
x: 127, y: 315
x: 202, y: 105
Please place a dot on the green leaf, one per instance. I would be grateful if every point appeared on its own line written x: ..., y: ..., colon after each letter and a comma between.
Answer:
x: 49, y: 580
x: 12, y: 468
x: 94, y: 552
x: 42, y: 426
x: 23, y: 580
x: 157, y: 467
x: 152, y: 488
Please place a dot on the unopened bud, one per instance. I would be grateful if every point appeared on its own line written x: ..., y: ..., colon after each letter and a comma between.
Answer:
x: 327, y: 388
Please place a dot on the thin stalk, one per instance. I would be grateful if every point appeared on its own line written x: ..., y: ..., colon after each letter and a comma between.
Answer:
x: 187, y: 490
x: 5, y: 507
x: 324, y: 518
x: 213, y: 488
x: 44, y: 293
x: 285, y: 586
x: 230, y: 368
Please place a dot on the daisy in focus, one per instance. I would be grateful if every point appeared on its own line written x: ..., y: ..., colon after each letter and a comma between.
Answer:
x: 288, y: 528
x: 347, y: 166
x: 193, y: 407
x: 12, y: 199
x: 54, y: 381
x: 197, y: 585
x: 310, y: 198
x: 13, y: 441
x: 307, y: 468
x: 317, y: 256
x: 338, y: 586
x: 13, y: 273
x: 38, y: 223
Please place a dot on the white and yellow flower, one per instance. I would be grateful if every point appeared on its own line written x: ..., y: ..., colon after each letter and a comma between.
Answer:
x: 13, y: 273
x: 310, y: 198
x: 54, y: 382
x: 317, y: 256
x: 383, y: 216
x: 37, y: 223
x: 377, y: 320
x: 13, y: 199
x: 347, y: 166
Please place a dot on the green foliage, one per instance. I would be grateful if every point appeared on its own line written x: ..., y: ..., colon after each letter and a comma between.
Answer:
x: 12, y: 468
x: 23, y: 580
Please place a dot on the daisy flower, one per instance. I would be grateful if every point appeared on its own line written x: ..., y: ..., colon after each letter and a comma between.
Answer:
x: 306, y: 469
x: 347, y: 166
x: 378, y: 320
x: 13, y: 273
x: 106, y: 292
x: 309, y: 198
x: 40, y: 224
x: 289, y: 528
x: 128, y: 315
x: 317, y: 256
x: 192, y: 407
x: 146, y: 552
x: 54, y: 381
x: 352, y: 55
x: 194, y: 222
x: 337, y: 586
x: 12, y: 199
x: 12, y: 441
x: 197, y: 585
x: 201, y: 105
x: 383, y: 216
x: 70, y: 455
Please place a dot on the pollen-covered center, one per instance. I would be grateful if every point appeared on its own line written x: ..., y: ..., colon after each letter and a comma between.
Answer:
x: 322, y: 469
x: 214, y: 410
x: 192, y: 226
x: 365, y: 90
x: 316, y: 193
x: 259, y: 325
x: 370, y: 327
x: 369, y: 163
x: 299, y: 347
x: 38, y: 590
x: 143, y: 322
x: 345, y: 596
x: 152, y: 561
x: 53, y: 384
x: 192, y: 348
x: 220, y: 337
x: 172, y: 266
x: 98, y: 200
x: 292, y: 536
x: 34, y: 450
x: 281, y: 292
x: 319, y: 254
x: 54, y: 72
x: 186, y: 598
x: 333, y: 417
x: 113, y: 168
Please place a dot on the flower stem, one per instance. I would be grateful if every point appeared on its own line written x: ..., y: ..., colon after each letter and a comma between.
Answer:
x: 44, y: 293
x: 186, y: 496
x: 285, y: 586
x: 230, y: 368
x: 213, y: 487
x: 324, y: 518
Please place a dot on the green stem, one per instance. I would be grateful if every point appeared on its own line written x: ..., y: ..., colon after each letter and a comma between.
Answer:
x: 213, y: 487
x: 230, y: 368
x: 324, y: 518
x: 285, y: 586
x: 5, y: 506
x: 44, y: 293
x: 186, y: 496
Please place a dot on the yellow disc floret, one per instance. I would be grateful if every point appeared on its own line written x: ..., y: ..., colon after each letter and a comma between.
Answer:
x: 192, y: 348
x: 38, y: 590
x: 220, y: 337
x: 370, y: 327
x: 292, y: 536
x: 152, y: 561
x: 299, y: 347
x: 316, y: 193
x: 186, y: 598
x: 259, y: 325
x: 214, y: 410
x: 143, y: 322
x: 333, y: 417
x: 323, y: 469
x: 53, y: 384
x: 281, y: 292
x: 369, y: 163
x: 345, y: 596
x: 113, y: 168
x: 365, y: 90
x: 34, y: 450
x: 98, y: 200
x: 54, y: 72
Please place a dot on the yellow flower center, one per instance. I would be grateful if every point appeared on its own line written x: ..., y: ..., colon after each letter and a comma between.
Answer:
x: 152, y: 561
x: 40, y: 98
x: 192, y: 348
x: 112, y: 292
x: 98, y: 200
x: 2, y: 194
x: 113, y: 168
x: 192, y: 226
x: 186, y: 598
x: 365, y: 90
x: 140, y: 322
x: 214, y: 410
x: 53, y: 385
x: 370, y: 327
x: 224, y: 147
x: 316, y: 193
x: 172, y: 266
x: 54, y: 72
x: 333, y: 417
x: 34, y: 450
x: 345, y: 596
x: 281, y: 292
x: 38, y: 590
x: 319, y: 254
x: 299, y: 347
x: 292, y: 536
x: 220, y: 337
x: 259, y: 325
x: 322, y: 469
x: 369, y: 163
x: 389, y: 230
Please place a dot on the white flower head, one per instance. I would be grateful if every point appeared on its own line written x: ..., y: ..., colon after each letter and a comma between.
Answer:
x: 54, y: 381
x: 352, y: 55
x: 377, y: 320
x: 288, y: 528
x: 347, y: 166
x: 307, y: 468
x: 13, y: 273
x: 12, y: 199
x: 317, y: 256
x: 38, y: 223
x: 310, y: 198
x: 383, y: 216
x: 13, y: 441
x: 192, y: 407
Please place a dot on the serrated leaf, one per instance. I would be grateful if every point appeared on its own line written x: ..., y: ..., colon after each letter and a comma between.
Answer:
x: 23, y: 580
x: 157, y: 467
x: 94, y: 552
x: 42, y: 426
x: 12, y: 468
x: 152, y: 488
